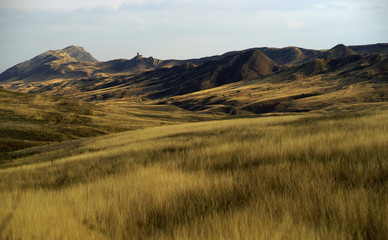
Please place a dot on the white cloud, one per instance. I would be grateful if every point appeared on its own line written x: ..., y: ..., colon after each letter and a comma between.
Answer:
x: 59, y: 4
x: 198, y: 5
x: 320, y: 6
x: 294, y: 24
x: 351, y: 4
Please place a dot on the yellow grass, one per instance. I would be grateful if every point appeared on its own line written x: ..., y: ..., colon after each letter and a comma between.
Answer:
x: 295, y: 177
x: 28, y: 120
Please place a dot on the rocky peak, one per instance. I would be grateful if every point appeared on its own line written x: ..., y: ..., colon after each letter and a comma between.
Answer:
x: 79, y: 54
x: 147, y: 62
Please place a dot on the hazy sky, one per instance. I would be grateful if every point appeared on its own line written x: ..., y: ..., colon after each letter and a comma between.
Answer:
x: 165, y: 29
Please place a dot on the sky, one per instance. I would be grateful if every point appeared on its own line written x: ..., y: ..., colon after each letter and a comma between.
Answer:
x: 182, y: 29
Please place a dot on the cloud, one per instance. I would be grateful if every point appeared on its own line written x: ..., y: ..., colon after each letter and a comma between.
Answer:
x: 197, y: 6
x: 352, y: 4
x: 294, y: 24
x: 219, y: 5
x: 59, y: 4
x: 152, y: 5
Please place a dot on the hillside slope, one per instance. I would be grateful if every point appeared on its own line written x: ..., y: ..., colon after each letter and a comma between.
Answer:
x: 352, y: 83
x: 340, y: 51
x: 289, y: 177
x: 29, y: 120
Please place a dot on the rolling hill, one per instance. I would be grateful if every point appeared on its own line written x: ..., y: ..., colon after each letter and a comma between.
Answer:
x: 352, y: 83
x: 285, y: 177
x: 28, y: 120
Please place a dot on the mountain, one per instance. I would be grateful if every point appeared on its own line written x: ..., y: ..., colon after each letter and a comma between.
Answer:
x: 79, y: 54
x: 48, y: 65
x: 352, y: 83
x: 74, y: 62
x: 190, y: 78
x: 180, y: 82
x: 166, y: 81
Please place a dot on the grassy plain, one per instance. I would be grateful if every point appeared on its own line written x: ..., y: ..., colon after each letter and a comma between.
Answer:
x: 287, y: 177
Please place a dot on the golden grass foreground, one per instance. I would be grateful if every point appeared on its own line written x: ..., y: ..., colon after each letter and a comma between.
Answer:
x: 292, y: 177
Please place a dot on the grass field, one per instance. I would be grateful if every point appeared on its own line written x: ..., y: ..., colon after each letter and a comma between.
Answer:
x: 28, y: 120
x: 287, y: 177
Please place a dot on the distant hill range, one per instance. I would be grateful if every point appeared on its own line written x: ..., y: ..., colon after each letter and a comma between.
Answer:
x: 257, y: 80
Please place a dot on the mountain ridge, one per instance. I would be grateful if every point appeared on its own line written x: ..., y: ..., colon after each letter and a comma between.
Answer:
x: 147, y: 79
x: 74, y: 61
